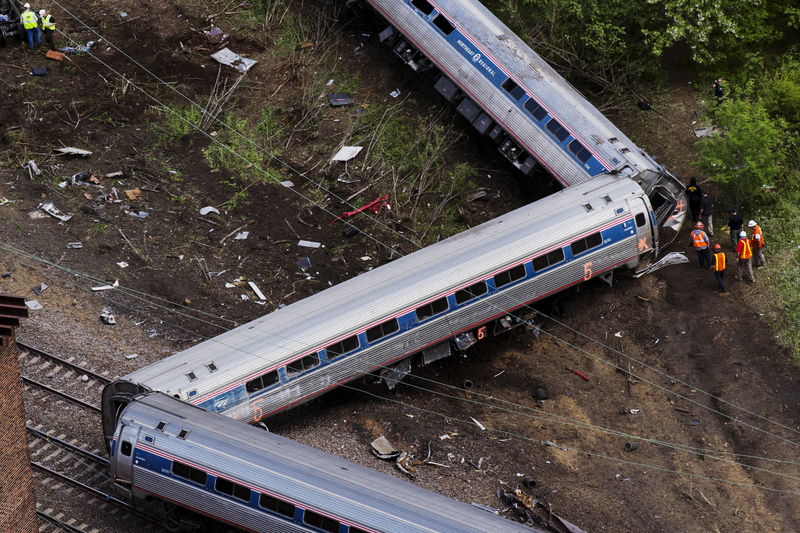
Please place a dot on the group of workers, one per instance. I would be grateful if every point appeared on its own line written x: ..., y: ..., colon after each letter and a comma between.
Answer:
x: 749, y: 250
x: 37, y: 26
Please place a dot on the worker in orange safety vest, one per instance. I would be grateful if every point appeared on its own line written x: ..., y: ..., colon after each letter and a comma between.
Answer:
x: 700, y: 243
x: 718, y: 266
x: 757, y: 239
x: 744, y: 253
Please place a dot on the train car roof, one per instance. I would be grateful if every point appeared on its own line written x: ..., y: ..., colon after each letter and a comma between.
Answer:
x: 395, y: 287
x: 551, y: 90
x: 298, y: 472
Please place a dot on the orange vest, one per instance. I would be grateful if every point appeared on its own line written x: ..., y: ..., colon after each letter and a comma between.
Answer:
x: 746, y: 252
x: 699, y: 239
x: 757, y: 231
x: 719, y: 261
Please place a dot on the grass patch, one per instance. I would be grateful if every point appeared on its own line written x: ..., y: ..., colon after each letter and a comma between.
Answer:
x: 177, y: 122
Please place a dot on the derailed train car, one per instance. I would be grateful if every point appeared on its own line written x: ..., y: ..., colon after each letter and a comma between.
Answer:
x: 176, y: 456
x: 411, y: 311
x: 10, y: 28
x: 510, y: 94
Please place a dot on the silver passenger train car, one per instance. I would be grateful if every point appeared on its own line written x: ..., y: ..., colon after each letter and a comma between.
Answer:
x: 508, y: 92
x: 244, y: 477
x: 413, y: 310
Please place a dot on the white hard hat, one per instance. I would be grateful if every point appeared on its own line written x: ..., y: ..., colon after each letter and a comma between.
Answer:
x: 751, y: 223
x: 42, y: 12
x: 742, y: 234
x: 27, y: 6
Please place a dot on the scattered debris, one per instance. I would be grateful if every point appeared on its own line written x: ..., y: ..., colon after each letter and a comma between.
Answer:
x: 257, y: 290
x: 672, y: 258
x: 40, y: 288
x: 117, y: 174
x: 624, y: 411
x: 106, y: 287
x: 5, y: 275
x: 242, y: 235
x: 383, y: 449
x: 6, y: 201
x: 32, y: 168
x: 483, y: 193
x: 56, y: 56
x: 215, y: 35
x: 37, y: 214
x: 84, y: 378
x: 632, y: 446
x: 619, y: 477
x: 529, y: 482
x: 133, y: 194
x: 309, y: 244
x: 131, y: 356
x: 71, y: 150
x: 339, y: 99
x: 53, y: 211
x: 209, y: 209
x: 709, y: 131
x: 540, y: 394
x: 74, y: 245
x: 346, y: 153
x: 395, y: 93
x: 33, y: 305
x: 79, y: 49
x: 682, y: 410
x: 618, y: 334
x: 287, y: 183
x: 232, y: 59
x: 122, y: 264
x: 583, y: 376
x: 138, y: 214
x: 39, y: 71
x: 485, y: 508
x: 480, y: 426
x: 107, y: 316
x: 375, y: 206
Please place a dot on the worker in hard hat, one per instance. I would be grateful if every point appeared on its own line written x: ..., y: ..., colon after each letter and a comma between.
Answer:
x: 744, y: 253
x: 718, y: 266
x: 701, y: 244
x: 48, y: 27
x: 757, y: 238
x: 31, y: 25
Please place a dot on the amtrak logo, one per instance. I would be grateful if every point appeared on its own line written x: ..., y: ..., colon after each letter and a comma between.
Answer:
x: 476, y: 58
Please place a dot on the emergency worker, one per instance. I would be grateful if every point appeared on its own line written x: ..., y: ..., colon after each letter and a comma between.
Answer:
x: 48, y: 27
x: 735, y: 224
x: 31, y: 25
x: 718, y: 266
x: 744, y: 253
x: 700, y: 243
x: 757, y: 239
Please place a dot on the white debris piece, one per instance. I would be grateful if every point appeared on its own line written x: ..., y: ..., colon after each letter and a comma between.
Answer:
x: 229, y: 286
x: 287, y: 183
x: 242, y: 235
x: 131, y: 356
x: 33, y: 305
x: 208, y: 209
x: 480, y: 426
x: 257, y: 290
x: 53, y: 211
x: 70, y: 150
x: 232, y: 59
x: 31, y: 166
x: 618, y: 334
x: 107, y: 287
x: 395, y: 93
x: 122, y: 264
x: 346, y: 153
x: 309, y: 244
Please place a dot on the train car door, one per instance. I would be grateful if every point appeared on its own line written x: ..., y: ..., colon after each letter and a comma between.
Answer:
x: 644, y: 231
x: 123, y: 460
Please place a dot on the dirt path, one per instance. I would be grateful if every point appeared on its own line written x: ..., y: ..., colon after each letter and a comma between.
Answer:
x: 672, y: 320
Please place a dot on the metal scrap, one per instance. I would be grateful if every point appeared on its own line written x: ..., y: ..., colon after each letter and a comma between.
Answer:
x: 53, y: 211
x: 107, y: 316
x: 71, y: 150
x: 383, y: 449
x: 232, y: 59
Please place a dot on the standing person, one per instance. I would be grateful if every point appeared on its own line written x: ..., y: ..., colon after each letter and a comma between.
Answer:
x: 719, y: 90
x: 695, y: 194
x: 744, y: 253
x: 31, y: 25
x: 758, y: 244
x: 718, y: 266
x: 48, y: 27
x: 735, y: 224
x: 700, y: 243
x: 706, y: 213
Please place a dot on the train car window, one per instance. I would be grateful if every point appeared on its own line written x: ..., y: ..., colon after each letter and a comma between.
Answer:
x: 580, y: 151
x: 443, y: 24
x: 510, y: 275
x: 126, y: 448
x: 555, y: 127
x: 161, y: 425
x: 187, y: 472
x: 211, y: 367
x: 437, y: 306
x: 423, y: 5
x: 342, y: 347
x: 232, y: 489
x: 382, y: 330
x: 322, y: 522
x: 192, y: 376
x: 513, y: 89
x: 640, y: 220
x: 354, y: 529
x: 182, y: 434
x: 587, y: 243
x: 274, y: 504
x: 301, y: 365
x: 548, y: 259
x: 262, y: 382
x: 473, y: 291
x: 535, y: 109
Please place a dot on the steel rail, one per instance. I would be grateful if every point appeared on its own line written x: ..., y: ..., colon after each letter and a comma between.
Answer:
x: 63, y: 362
x: 64, y: 444
x: 64, y: 395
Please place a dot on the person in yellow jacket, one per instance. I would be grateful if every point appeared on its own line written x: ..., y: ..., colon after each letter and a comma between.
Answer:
x: 718, y: 266
x: 48, y: 27
x: 31, y: 25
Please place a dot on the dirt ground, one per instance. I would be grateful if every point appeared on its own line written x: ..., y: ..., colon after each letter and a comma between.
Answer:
x: 681, y: 359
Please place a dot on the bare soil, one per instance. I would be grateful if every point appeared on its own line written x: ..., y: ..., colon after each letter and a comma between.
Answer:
x: 672, y: 321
